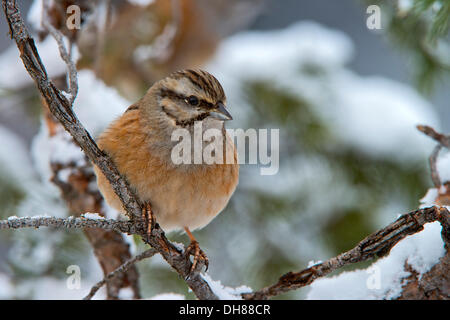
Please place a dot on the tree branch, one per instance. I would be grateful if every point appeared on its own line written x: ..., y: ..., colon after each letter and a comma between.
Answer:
x: 69, y: 223
x: 439, y: 137
x: 377, y: 244
x: 444, y: 142
x: 63, y: 52
x: 60, y: 107
x: 122, y: 269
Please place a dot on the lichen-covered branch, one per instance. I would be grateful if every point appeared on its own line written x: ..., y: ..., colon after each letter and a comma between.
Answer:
x: 68, y: 223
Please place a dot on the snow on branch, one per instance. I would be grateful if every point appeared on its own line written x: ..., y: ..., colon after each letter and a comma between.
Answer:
x: 375, y: 245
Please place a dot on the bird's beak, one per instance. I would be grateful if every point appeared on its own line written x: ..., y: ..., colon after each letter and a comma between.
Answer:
x: 220, y: 113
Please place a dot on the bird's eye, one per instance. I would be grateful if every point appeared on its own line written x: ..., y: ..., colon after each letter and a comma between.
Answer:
x: 193, y: 100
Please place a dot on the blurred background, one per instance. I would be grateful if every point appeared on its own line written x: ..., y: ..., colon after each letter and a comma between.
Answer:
x: 345, y: 98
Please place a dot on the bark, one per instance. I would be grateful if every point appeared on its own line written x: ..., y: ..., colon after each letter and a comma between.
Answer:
x: 433, y: 285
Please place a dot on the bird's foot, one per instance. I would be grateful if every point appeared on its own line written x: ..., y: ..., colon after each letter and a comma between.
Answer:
x: 147, y: 216
x: 194, y: 250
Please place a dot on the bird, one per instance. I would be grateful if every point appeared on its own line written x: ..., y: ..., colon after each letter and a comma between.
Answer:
x: 179, y: 196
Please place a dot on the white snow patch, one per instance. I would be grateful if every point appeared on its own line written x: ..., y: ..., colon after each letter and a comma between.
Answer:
x: 443, y: 166
x: 47, y: 288
x: 63, y: 150
x: 429, y: 198
x: 178, y: 245
x: 11, y: 64
x: 94, y: 216
x: 225, y: 293
x: 34, y: 15
x: 97, y: 104
x: 313, y: 263
x: 379, y: 116
x: 168, y: 296
x: 64, y: 174
x: 142, y: 3
x: 6, y: 287
x: 15, y: 165
x: 126, y: 294
x: 110, y: 212
x: 257, y: 54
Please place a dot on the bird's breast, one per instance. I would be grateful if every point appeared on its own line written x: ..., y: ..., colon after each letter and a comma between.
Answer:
x: 180, y: 196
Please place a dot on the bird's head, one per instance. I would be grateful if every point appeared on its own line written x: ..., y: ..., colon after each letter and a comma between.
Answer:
x: 189, y: 95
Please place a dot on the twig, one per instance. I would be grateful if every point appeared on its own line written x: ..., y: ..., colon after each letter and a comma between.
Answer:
x: 63, y: 52
x: 122, y: 269
x: 376, y: 245
x: 433, y: 166
x: 61, y: 109
x: 444, y: 141
x: 439, y: 137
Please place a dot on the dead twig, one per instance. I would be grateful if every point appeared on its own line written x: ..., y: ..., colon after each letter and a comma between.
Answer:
x: 444, y: 141
x: 63, y: 52
x: 120, y: 270
x: 439, y: 137
x: 433, y: 167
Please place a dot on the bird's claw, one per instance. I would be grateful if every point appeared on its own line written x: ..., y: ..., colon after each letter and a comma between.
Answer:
x: 147, y: 216
x: 200, y: 257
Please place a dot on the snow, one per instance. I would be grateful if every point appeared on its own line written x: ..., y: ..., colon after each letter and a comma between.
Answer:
x: 110, y: 213
x: 384, y: 279
x: 11, y: 64
x: 37, y: 217
x: 94, y: 216
x: 168, y: 296
x: 6, y: 287
x: 257, y: 54
x: 17, y: 165
x: 179, y: 246
x: 443, y: 166
x: 225, y: 293
x: 34, y: 15
x: 97, y: 105
x: 430, y: 197
x: 142, y: 3
x: 379, y: 116
x: 313, y: 263
x: 64, y: 174
x: 126, y: 294
x: 48, y: 288
x: 64, y: 151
